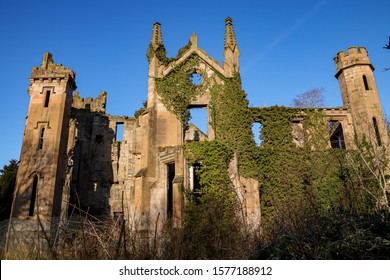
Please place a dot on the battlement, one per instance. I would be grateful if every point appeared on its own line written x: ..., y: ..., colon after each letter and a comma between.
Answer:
x: 354, y: 56
x: 94, y: 105
x: 50, y: 70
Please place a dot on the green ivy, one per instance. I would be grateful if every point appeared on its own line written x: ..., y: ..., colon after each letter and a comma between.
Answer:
x: 276, y: 124
x: 295, y: 181
x: 183, y: 50
x: 160, y: 53
x: 295, y: 178
x: 139, y: 112
x: 177, y: 90
x: 212, y: 225
x: 232, y: 122
x: 214, y: 157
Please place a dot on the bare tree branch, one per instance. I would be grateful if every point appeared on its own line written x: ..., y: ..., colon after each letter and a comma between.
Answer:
x: 313, y: 98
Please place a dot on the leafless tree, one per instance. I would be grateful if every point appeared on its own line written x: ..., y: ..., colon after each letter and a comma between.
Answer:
x: 313, y: 98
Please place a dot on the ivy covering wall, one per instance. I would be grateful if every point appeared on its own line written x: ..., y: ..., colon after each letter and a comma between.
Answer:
x: 306, y: 190
x: 177, y: 91
x: 232, y: 122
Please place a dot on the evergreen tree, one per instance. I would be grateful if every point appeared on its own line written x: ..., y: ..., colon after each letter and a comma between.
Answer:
x: 7, y: 186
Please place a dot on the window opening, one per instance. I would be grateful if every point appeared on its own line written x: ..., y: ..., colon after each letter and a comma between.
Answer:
x: 40, y: 141
x: 256, y: 131
x: 377, y: 134
x: 199, y: 119
x: 336, y: 135
x: 119, y: 132
x: 196, y: 181
x: 87, y: 106
x: 365, y: 82
x: 170, y: 178
x: 196, y: 79
x: 47, y: 98
x: 33, y: 196
x: 298, y: 133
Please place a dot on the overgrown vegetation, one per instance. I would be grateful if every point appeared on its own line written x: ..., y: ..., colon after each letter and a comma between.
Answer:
x: 308, y: 191
x: 316, y: 202
x: 140, y: 111
x: 232, y: 122
x: 177, y: 90
x: 213, y: 228
x: 160, y: 52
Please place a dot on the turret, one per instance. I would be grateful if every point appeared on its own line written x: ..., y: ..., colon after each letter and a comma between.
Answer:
x: 41, y: 174
x: 355, y: 56
x: 354, y: 72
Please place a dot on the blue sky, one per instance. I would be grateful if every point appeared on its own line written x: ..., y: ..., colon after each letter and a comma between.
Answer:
x: 287, y: 47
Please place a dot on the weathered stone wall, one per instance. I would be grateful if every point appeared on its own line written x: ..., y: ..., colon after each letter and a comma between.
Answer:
x: 104, y: 163
x: 84, y: 159
x: 41, y: 174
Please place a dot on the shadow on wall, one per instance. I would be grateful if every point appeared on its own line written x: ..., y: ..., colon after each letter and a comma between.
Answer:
x: 94, y: 154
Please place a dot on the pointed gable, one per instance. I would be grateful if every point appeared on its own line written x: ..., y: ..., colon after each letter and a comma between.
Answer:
x: 191, y: 50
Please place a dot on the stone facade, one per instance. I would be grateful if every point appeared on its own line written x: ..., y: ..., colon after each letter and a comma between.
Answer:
x: 41, y: 174
x: 75, y: 157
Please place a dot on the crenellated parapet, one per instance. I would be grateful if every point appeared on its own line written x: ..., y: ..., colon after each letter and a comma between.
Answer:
x: 354, y: 56
x: 359, y: 93
x: 49, y: 71
x: 97, y: 104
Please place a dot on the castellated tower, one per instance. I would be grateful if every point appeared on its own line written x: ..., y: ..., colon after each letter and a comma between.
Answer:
x: 354, y: 72
x: 41, y: 174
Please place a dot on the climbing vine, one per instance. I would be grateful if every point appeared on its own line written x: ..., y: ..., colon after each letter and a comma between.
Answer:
x: 273, y: 168
x: 160, y: 53
x: 232, y: 122
x: 214, y: 157
x: 298, y: 180
x: 177, y: 91
x: 276, y: 125
x: 212, y: 224
x: 295, y: 178
x: 183, y: 50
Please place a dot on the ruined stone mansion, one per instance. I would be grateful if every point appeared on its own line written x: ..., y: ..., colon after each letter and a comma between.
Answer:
x: 75, y: 157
